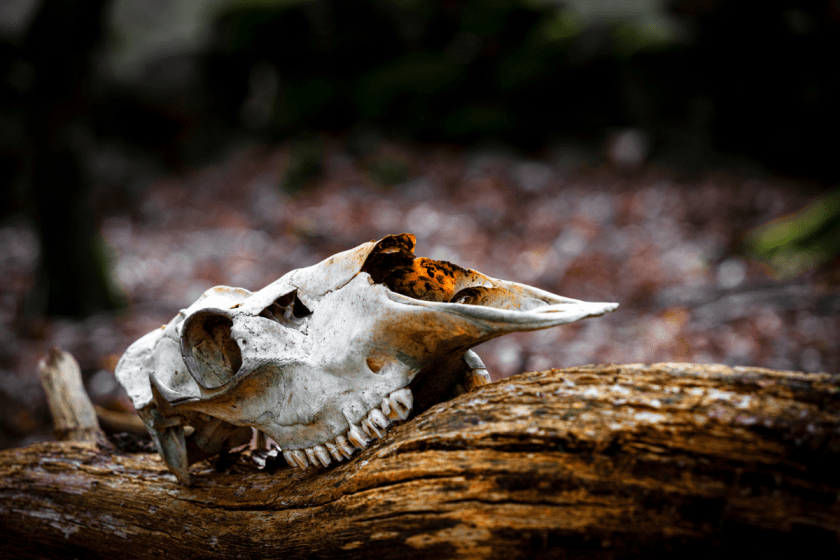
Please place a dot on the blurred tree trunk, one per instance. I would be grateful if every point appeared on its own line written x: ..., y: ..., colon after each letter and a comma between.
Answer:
x: 669, y: 460
x: 73, y: 274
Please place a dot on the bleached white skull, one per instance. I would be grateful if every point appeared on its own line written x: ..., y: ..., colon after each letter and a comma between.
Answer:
x: 327, y: 357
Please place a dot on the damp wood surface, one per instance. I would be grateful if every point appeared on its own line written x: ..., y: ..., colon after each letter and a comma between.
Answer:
x: 599, y: 461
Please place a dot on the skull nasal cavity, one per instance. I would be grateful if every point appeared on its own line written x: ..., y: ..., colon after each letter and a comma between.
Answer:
x: 212, y: 355
x: 287, y: 310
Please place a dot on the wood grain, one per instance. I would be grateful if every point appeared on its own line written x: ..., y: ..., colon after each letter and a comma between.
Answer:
x: 607, y: 461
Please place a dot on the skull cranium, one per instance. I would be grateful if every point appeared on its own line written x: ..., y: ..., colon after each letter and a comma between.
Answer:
x: 327, y: 357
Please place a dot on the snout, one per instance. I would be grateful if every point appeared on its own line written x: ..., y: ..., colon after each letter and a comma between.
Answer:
x: 509, y: 312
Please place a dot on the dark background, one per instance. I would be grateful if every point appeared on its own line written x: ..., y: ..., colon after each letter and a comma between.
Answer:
x: 602, y: 150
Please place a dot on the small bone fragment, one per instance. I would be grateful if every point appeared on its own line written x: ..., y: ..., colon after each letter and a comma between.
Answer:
x: 74, y: 417
x: 115, y: 422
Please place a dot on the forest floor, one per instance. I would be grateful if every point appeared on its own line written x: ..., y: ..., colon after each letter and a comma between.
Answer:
x: 665, y: 245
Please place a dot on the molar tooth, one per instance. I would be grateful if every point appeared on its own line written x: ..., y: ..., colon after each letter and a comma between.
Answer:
x: 371, y: 429
x: 296, y: 458
x: 391, y: 409
x: 289, y: 459
x: 310, y: 454
x: 404, y: 397
x: 366, y: 427
x: 334, y: 451
x: 343, y: 446
x: 300, y: 457
x: 357, y: 437
x: 400, y: 403
x: 322, y: 454
x: 378, y: 418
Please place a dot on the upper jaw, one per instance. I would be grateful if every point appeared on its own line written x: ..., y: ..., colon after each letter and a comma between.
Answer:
x: 487, y: 322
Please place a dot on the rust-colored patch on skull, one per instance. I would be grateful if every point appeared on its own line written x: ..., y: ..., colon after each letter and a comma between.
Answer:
x: 425, y: 279
x: 394, y: 264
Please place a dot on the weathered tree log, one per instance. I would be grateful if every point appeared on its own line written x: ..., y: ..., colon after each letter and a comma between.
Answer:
x: 607, y: 461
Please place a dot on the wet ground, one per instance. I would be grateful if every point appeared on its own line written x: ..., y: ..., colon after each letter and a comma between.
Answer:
x: 665, y: 245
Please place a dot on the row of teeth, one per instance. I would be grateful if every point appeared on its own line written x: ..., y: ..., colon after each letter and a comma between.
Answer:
x: 395, y: 407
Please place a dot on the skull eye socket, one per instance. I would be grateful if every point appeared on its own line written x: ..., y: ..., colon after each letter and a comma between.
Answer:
x: 210, y: 352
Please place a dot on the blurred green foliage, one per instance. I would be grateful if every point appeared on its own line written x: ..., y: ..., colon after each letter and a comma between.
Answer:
x: 388, y: 171
x: 801, y: 241
x: 305, y: 162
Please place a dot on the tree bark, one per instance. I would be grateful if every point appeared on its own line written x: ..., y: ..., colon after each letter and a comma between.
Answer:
x: 608, y: 461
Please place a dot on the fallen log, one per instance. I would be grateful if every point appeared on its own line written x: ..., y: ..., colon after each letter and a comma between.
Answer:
x: 608, y: 461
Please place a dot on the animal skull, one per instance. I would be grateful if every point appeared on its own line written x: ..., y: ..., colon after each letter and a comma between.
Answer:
x: 324, y: 359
